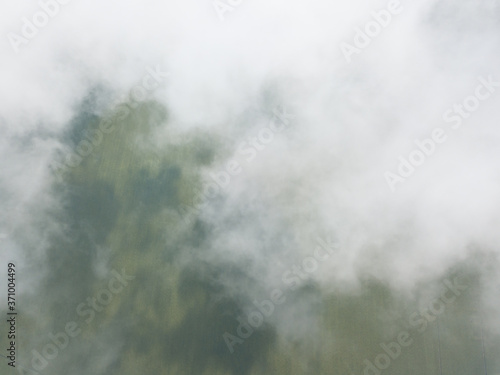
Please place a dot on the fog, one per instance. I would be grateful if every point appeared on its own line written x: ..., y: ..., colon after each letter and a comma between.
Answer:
x: 251, y: 148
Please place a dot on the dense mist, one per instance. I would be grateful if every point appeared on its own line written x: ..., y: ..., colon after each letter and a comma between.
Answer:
x: 264, y: 187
